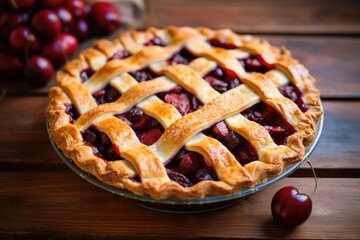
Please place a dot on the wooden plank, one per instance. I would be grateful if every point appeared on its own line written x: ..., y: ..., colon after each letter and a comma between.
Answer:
x: 24, y: 141
x: 260, y: 16
x: 54, y: 205
x: 333, y: 61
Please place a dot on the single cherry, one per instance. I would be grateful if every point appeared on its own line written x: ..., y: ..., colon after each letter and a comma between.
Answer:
x: 39, y: 71
x: 22, y: 40
x: 60, y: 49
x: 290, y: 208
x: 66, y: 19
x: 47, y: 24
x: 105, y: 17
x: 82, y: 29
x: 76, y: 7
x: 150, y: 136
x: 8, y: 21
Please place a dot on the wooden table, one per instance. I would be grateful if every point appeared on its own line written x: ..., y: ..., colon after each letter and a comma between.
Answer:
x: 42, y: 198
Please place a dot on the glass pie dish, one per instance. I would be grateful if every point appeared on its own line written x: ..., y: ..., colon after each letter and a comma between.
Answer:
x: 190, y: 206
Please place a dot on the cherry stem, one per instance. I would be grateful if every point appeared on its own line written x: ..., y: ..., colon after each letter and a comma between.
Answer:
x: 2, y: 95
x: 313, y: 171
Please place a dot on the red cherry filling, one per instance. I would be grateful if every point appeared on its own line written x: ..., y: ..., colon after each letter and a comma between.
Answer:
x: 156, y: 41
x: 221, y: 44
x: 106, y: 95
x: 86, y: 73
x: 222, y: 80
x: 71, y: 111
x: 256, y: 63
x: 143, y: 75
x: 243, y: 151
x: 120, y: 55
x: 278, y: 128
x: 184, y: 56
x: 188, y: 168
x: 147, y: 129
x: 294, y: 93
x: 101, y: 144
x: 182, y: 100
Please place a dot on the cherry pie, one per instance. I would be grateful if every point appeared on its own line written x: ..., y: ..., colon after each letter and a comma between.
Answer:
x: 183, y: 112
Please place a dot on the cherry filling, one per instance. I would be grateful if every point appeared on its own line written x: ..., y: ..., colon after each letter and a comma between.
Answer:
x: 106, y: 95
x: 156, y: 41
x: 294, y: 93
x: 188, y: 168
x: 182, y: 100
x: 120, y: 55
x: 221, y: 44
x: 101, y: 144
x: 147, y: 129
x: 71, y: 111
x: 184, y: 56
x: 243, y: 151
x: 143, y: 75
x: 86, y: 73
x: 278, y: 128
x: 256, y: 63
x: 222, y: 80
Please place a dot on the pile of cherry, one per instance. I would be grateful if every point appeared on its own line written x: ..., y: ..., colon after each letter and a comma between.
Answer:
x: 38, y: 36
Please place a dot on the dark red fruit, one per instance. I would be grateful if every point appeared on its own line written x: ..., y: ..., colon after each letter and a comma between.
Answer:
x: 76, y: 7
x: 22, y: 40
x: 47, y: 24
x: 290, y: 208
x: 10, y: 64
x: 189, y: 163
x: 21, y: 4
x: 39, y: 71
x: 179, y: 178
x: 7, y: 22
x: 217, y: 84
x: 66, y: 19
x: 81, y: 29
x: 150, y: 136
x: 51, y: 3
x: 182, y: 104
x: 220, y: 130
x: 60, y: 48
x: 105, y: 17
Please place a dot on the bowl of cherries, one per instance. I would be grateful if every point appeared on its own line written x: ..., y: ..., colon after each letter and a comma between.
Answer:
x: 39, y: 36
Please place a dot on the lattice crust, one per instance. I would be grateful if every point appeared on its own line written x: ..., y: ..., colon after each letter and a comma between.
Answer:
x: 147, y: 162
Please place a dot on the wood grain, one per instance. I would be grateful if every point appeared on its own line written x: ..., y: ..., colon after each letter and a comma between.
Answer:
x: 260, y: 16
x: 62, y: 204
x: 24, y: 142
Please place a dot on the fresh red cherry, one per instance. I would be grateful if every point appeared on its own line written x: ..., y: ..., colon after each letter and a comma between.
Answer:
x: 66, y: 19
x: 10, y: 64
x: 21, y: 4
x: 7, y: 22
x: 290, y: 208
x: 47, y: 24
x: 76, y: 7
x: 22, y: 40
x: 60, y: 49
x: 105, y: 17
x: 81, y: 29
x: 38, y: 71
